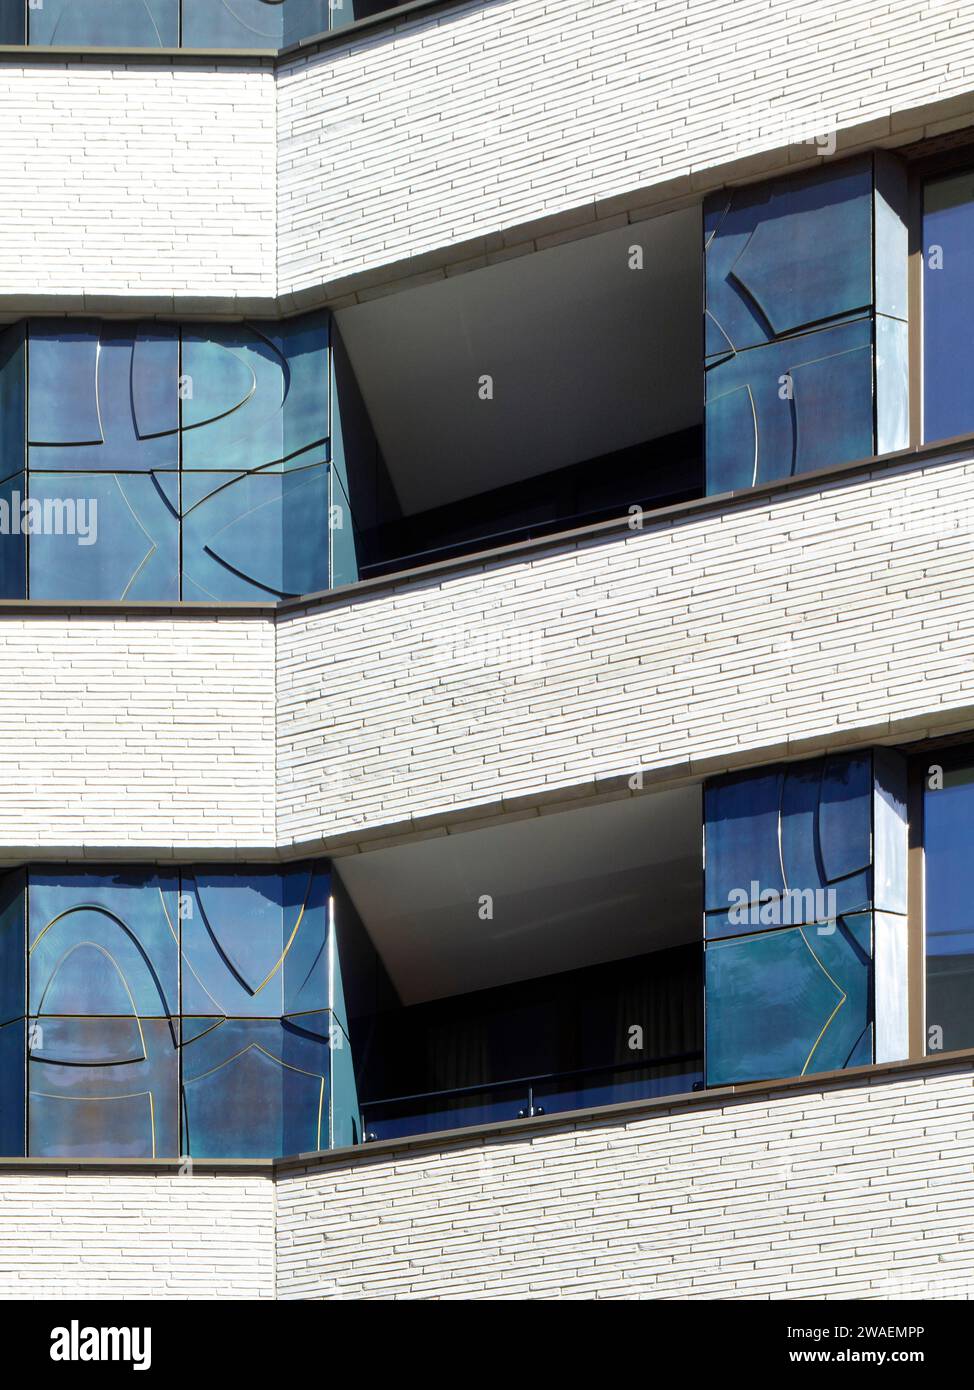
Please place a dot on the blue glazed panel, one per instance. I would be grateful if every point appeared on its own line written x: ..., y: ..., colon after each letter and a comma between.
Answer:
x: 783, y: 256
x: 103, y: 943
x: 13, y: 400
x: 13, y: 21
x: 63, y: 405
x: 257, y: 536
x: 13, y: 943
x: 832, y: 367
x: 13, y: 540
x: 948, y: 306
x: 845, y: 815
x: 259, y: 395
x: 255, y: 941
x: 805, y: 828
x: 255, y: 1088
x: 103, y: 1088
x: 307, y: 890
x: 134, y: 550
x: 13, y: 1060
x: 788, y: 1003
x: 305, y: 18
x: 103, y: 396
x: 832, y: 404
x: 233, y: 24
x: 110, y: 23
x: 741, y: 813
x: 13, y: 454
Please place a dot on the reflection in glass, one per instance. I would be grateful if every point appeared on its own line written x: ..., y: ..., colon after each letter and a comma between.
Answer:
x: 948, y: 819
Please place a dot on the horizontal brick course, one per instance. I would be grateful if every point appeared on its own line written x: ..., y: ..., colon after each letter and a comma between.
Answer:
x: 126, y: 731
x: 859, y: 1190
x: 454, y: 136
x: 844, y: 610
x: 119, y: 1236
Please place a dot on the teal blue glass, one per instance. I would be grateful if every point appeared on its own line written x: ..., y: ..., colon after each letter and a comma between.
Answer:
x: 13, y: 537
x: 259, y: 398
x: 165, y: 463
x: 119, y: 536
x: 784, y: 256
x: 103, y: 1087
x: 13, y: 457
x: 948, y: 306
x: 790, y: 1002
x: 13, y: 1089
x: 791, y: 856
x: 103, y: 1000
x: 255, y: 1087
x: 255, y: 535
x: 254, y: 941
x: 13, y: 958
x: 804, y: 826
x: 162, y: 1012
x: 114, y: 23
x: 13, y: 21
x: 103, y: 396
x: 806, y: 339
x: 103, y: 943
x: 948, y: 835
x: 233, y: 24
x: 759, y: 427
x: 305, y: 18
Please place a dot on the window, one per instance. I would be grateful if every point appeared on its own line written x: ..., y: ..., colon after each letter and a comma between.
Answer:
x: 170, y: 1011
x: 948, y: 306
x: 152, y: 462
x: 948, y: 817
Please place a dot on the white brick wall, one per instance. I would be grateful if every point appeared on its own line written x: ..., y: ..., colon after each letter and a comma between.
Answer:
x: 475, y: 119
x: 214, y: 181
x: 136, y: 179
x: 111, y: 1236
x: 843, y: 612
x: 128, y: 730
x: 815, y: 613
x: 858, y: 1190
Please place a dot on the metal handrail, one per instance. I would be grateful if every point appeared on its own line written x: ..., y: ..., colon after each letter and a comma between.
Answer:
x: 542, y: 1077
x: 511, y: 534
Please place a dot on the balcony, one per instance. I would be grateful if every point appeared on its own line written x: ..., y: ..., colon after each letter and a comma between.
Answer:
x: 525, y: 969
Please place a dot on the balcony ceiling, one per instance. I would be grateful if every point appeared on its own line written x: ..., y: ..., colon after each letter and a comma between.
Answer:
x: 587, y: 356
x: 569, y: 889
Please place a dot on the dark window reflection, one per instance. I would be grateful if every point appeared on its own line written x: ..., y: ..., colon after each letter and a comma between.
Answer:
x: 949, y: 909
